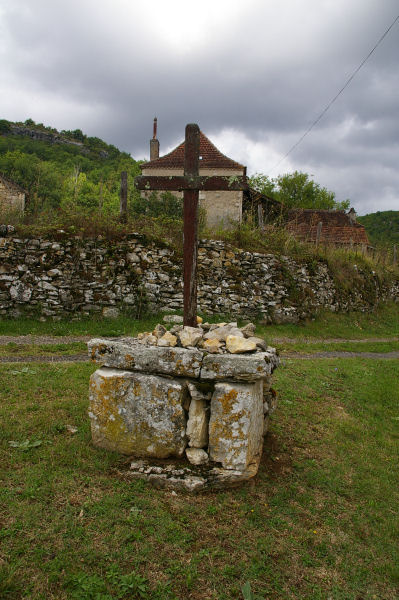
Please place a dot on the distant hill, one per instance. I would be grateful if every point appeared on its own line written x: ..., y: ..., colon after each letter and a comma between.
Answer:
x: 60, y: 169
x: 382, y: 227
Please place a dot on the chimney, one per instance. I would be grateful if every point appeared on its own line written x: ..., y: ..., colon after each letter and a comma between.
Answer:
x: 154, y: 143
x: 352, y: 216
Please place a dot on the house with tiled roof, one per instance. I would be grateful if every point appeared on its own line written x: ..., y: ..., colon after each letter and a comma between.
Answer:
x: 221, y: 207
x: 327, y: 227
x: 12, y: 195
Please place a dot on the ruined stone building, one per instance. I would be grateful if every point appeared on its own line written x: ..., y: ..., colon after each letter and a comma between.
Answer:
x: 327, y: 227
x: 12, y: 195
x: 222, y: 207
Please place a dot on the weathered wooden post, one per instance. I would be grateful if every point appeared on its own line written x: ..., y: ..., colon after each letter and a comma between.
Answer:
x: 190, y: 183
x: 260, y: 216
x: 123, y: 197
x: 318, y: 233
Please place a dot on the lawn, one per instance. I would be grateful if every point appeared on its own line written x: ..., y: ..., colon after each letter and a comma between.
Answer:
x: 319, y: 521
x: 383, y: 322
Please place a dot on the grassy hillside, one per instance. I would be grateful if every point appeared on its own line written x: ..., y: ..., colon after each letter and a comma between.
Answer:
x: 60, y: 169
x: 382, y: 227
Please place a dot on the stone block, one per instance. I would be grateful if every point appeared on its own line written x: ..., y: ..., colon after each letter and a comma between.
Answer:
x: 236, y: 425
x: 137, y: 414
x: 238, y: 366
x: 131, y: 355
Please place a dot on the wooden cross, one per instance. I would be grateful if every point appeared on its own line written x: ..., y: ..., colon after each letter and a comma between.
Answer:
x: 190, y: 184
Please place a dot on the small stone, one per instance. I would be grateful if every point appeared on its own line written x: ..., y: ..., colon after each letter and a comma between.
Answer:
x: 197, y: 424
x: 205, y: 326
x: 190, y: 336
x: 237, y: 345
x: 167, y: 340
x: 248, y: 330
x: 173, y: 319
x: 260, y: 342
x: 148, y: 339
x: 216, y: 325
x: 71, y: 429
x: 212, y: 345
x: 159, y: 331
x: 110, y: 312
x: 196, y: 456
x: 175, y: 329
x: 221, y: 333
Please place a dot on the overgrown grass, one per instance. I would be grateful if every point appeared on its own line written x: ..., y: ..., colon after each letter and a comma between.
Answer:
x: 320, y: 520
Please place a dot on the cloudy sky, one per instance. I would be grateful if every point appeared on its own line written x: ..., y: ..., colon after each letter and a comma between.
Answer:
x: 254, y: 75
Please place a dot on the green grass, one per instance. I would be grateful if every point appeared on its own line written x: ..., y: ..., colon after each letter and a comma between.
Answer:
x: 320, y: 520
x: 95, y: 326
x: 354, y: 346
x: 383, y: 322
x: 14, y: 349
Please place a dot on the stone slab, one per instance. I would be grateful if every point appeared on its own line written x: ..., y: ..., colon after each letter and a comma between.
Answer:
x: 137, y: 414
x: 129, y: 354
x: 236, y: 425
x: 219, y: 367
x: 190, y: 479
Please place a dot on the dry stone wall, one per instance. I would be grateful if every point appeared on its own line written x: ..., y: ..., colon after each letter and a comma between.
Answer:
x: 71, y: 276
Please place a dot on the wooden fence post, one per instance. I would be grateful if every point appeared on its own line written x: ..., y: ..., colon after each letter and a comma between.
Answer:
x: 123, y: 197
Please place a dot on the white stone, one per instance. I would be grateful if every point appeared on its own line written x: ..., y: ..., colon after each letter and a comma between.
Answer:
x: 110, y: 312
x: 248, y: 330
x: 260, y: 342
x: 167, y: 340
x: 196, y: 456
x: 237, y: 345
x: 212, y: 345
x: 236, y: 425
x: 173, y: 319
x: 197, y: 424
x: 190, y: 336
x: 221, y: 333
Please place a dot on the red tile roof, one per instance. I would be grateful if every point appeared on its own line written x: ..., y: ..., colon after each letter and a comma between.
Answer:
x: 337, y: 227
x: 210, y: 158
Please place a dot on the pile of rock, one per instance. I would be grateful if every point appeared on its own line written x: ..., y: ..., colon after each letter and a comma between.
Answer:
x: 157, y: 400
x: 215, y: 338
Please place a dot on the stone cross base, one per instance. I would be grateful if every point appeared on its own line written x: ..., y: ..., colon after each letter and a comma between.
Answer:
x: 208, y: 412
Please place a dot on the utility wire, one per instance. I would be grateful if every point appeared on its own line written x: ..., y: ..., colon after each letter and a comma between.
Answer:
x: 309, y: 129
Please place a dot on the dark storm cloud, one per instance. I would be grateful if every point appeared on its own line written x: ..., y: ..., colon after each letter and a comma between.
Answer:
x: 266, y: 73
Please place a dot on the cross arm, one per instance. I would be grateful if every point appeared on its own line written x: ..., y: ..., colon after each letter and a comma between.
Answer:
x: 201, y: 183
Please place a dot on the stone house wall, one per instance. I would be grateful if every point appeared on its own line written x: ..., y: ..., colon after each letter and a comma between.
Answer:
x: 73, y: 276
x: 11, y: 197
x: 222, y: 207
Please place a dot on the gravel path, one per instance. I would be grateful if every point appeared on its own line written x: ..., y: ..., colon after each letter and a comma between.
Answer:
x: 24, y: 340
x: 283, y: 355
x: 48, y: 339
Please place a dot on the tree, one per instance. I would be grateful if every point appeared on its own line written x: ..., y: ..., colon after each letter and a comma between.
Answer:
x: 297, y: 190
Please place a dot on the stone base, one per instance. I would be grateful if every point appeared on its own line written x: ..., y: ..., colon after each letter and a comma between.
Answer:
x: 191, y: 479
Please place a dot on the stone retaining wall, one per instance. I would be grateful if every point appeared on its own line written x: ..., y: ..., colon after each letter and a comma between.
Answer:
x: 74, y: 276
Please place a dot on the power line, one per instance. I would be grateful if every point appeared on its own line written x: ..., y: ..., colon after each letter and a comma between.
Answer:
x: 309, y: 129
